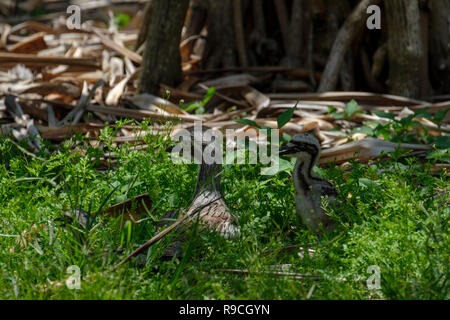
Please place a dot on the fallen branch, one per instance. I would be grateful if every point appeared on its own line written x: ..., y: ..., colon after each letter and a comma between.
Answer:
x: 27, y: 59
x: 78, y: 111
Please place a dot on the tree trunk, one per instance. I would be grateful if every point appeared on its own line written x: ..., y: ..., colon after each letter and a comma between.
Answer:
x: 162, y: 61
x: 283, y: 19
x: 295, y: 46
x: 439, y: 44
x: 344, y: 39
x: 239, y: 33
x: 145, y: 22
x: 196, y: 19
x: 221, y: 42
x: 337, y: 11
x: 404, y: 47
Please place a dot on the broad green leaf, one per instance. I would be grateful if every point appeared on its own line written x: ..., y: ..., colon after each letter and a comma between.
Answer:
x: 440, y: 115
x: 122, y: 20
x: 211, y: 92
x: 200, y: 110
x: 441, y: 155
x: 364, y: 129
x: 351, y: 108
x: 423, y: 113
x: 286, y: 137
x: 368, y: 183
x: 383, y: 114
x: 283, y: 165
x: 248, y: 122
x: 332, y: 109
x: 191, y: 105
x: 338, y: 115
x: 286, y: 116
x: 442, y: 142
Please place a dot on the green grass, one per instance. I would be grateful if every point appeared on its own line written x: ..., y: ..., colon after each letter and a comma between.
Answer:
x: 394, y: 215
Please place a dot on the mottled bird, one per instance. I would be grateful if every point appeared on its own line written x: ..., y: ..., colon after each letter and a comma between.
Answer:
x: 310, y: 189
x: 208, y: 207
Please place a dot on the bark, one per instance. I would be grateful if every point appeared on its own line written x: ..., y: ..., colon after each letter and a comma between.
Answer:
x: 263, y: 49
x: 258, y: 17
x: 343, y: 41
x: 283, y: 19
x: 310, y: 46
x: 338, y: 10
x: 439, y: 44
x: 405, y: 49
x: 144, y: 28
x: 239, y: 31
x: 379, y: 60
x: 221, y: 42
x: 162, y: 61
x: 372, y: 82
x: 191, y: 34
x: 295, y: 46
x: 346, y: 75
x: 425, y: 86
x: 197, y: 18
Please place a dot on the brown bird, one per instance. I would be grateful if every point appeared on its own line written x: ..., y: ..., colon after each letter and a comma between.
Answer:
x: 208, y: 206
x: 310, y: 189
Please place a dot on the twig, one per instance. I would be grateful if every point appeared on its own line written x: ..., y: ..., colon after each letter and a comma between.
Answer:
x: 163, y: 233
x: 78, y: 111
x: 142, y: 114
x: 297, y: 276
x: 38, y: 60
x: 52, y: 122
x: 133, y: 56
x: 224, y: 97
x: 28, y: 153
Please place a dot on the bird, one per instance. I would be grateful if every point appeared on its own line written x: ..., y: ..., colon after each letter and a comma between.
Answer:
x: 208, y: 202
x: 310, y: 189
x: 208, y: 206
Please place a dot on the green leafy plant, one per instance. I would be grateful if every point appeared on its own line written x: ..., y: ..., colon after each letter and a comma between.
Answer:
x: 282, y: 120
x: 395, y: 216
x: 199, y: 106
x: 409, y: 130
x: 286, y: 116
x: 121, y: 19
x: 350, y: 110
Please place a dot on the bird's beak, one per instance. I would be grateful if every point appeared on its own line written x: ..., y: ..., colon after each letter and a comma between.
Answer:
x: 287, y: 150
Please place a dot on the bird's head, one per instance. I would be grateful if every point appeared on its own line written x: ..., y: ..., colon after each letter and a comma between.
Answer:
x: 301, y: 144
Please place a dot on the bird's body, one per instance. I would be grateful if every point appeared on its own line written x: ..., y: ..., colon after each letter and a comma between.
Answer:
x: 310, y: 189
x: 209, y: 205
